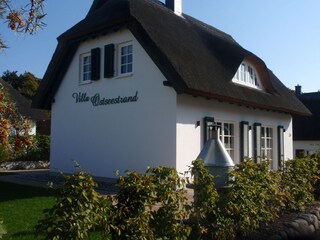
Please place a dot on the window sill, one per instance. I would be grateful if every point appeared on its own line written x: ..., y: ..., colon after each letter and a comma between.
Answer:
x: 124, y: 75
x: 85, y: 82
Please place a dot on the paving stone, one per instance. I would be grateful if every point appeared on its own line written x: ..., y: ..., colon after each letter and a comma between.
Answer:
x: 292, y: 233
x: 303, y: 226
x: 283, y: 235
x: 275, y: 237
x: 316, y: 213
x: 310, y: 218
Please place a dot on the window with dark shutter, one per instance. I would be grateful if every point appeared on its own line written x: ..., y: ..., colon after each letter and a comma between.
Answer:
x: 109, y: 61
x: 257, y: 142
x: 244, y: 140
x: 280, y: 146
x: 208, y: 128
x: 95, y: 64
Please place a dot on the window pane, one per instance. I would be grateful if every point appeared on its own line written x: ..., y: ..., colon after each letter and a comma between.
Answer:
x: 129, y: 68
x: 123, y: 69
x: 129, y: 49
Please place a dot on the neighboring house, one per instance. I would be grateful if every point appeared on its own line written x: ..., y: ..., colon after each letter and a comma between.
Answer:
x: 24, y: 107
x: 306, y: 129
x: 137, y: 83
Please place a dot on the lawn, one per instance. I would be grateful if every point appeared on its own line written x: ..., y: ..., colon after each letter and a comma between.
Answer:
x: 21, y: 207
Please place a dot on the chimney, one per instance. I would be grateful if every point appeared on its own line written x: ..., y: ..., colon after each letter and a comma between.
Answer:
x: 175, y: 6
x: 298, y: 90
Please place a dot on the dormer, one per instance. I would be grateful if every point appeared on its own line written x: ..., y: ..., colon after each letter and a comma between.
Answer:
x: 248, y: 76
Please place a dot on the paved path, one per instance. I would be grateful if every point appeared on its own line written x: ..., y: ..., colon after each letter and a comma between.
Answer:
x: 42, y: 178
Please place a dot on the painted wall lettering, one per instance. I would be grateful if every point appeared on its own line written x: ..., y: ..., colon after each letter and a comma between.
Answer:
x: 98, y: 100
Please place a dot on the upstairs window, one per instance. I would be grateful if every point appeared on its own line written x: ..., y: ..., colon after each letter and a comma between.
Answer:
x: 85, y: 64
x: 125, y: 58
x: 247, y: 76
x: 90, y: 66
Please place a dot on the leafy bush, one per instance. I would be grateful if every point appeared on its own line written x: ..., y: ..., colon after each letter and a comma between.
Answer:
x: 298, y: 180
x: 206, y: 197
x: 252, y: 197
x: 170, y: 195
x: 150, y: 206
x: 78, y: 210
x: 38, y: 151
x: 2, y: 229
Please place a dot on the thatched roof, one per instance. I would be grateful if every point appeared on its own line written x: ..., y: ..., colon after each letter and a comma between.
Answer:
x: 195, y: 58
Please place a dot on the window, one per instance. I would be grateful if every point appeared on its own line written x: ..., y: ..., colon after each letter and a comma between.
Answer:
x: 85, y: 65
x: 90, y: 66
x: 226, y: 135
x: 225, y: 131
x: 125, y: 58
x: 247, y: 76
x: 267, y: 143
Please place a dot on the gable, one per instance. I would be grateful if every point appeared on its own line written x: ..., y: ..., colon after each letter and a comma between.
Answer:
x: 194, y: 57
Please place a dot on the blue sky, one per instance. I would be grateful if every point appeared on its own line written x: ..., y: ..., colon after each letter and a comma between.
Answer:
x: 284, y: 33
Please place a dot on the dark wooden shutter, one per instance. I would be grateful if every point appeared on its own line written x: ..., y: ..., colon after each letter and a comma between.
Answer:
x: 95, y: 64
x: 208, y: 128
x: 280, y: 147
x: 244, y: 140
x: 109, y: 61
x: 257, y: 142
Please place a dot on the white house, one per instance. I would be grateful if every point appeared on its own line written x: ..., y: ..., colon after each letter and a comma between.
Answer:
x: 23, y: 106
x: 137, y: 83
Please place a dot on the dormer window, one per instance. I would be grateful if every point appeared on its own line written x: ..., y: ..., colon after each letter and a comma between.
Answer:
x: 247, y: 76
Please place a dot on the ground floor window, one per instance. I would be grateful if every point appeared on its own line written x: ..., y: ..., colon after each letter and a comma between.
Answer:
x: 267, y: 143
x: 226, y: 135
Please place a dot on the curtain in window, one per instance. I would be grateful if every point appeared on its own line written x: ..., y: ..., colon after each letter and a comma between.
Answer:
x: 257, y: 142
x: 280, y: 146
x: 244, y: 140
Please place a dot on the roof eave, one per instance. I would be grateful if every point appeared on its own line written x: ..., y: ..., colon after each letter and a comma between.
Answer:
x: 245, y: 103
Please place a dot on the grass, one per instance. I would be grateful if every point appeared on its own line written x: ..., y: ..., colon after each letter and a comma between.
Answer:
x: 21, y: 207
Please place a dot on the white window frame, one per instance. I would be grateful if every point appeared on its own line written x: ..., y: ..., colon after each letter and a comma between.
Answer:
x: 267, y: 140
x: 248, y: 76
x: 85, y: 75
x: 126, y: 65
x: 227, y: 139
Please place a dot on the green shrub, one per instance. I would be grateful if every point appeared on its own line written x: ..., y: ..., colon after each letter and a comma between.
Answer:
x: 3, y: 153
x: 150, y: 206
x: 170, y: 195
x: 131, y: 214
x: 206, y: 205
x: 2, y: 229
x: 298, y: 181
x: 78, y: 210
x: 252, y: 198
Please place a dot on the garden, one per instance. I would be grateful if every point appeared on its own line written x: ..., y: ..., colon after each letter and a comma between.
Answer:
x: 153, y: 205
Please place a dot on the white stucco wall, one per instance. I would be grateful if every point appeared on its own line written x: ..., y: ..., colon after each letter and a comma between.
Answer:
x: 127, y: 136
x: 190, y: 137
x: 309, y: 147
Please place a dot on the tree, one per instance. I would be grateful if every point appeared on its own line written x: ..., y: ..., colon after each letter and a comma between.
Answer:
x: 14, y: 128
x: 27, y: 83
x: 24, y: 19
